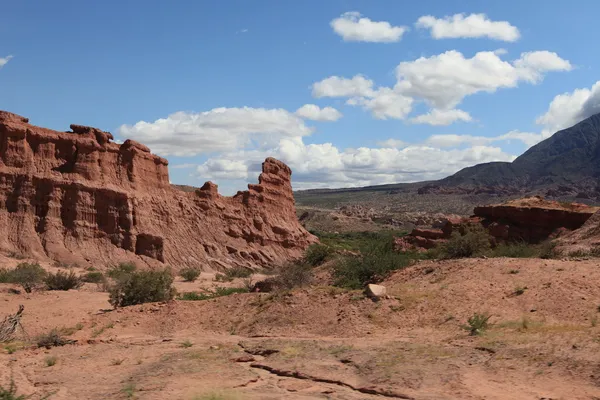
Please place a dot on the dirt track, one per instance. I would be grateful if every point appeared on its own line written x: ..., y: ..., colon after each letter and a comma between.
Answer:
x: 326, y: 343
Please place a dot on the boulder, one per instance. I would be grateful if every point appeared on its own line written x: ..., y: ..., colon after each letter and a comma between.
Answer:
x: 375, y: 292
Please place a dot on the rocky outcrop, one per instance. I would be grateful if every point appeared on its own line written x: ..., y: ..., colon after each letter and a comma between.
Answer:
x: 583, y: 241
x: 78, y: 197
x: 531, y: 220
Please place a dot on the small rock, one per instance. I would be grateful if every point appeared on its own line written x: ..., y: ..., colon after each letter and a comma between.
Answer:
x: 245, y: 358
x: 375, y: 291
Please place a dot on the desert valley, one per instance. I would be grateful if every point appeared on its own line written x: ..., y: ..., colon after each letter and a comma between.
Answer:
x: 133, y: 288
x: 273, y: 200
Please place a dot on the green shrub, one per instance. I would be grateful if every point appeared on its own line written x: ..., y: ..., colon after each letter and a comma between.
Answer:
x: 11, y: 392
x: 316, y: 254
x: 29, y: 276
x: 373, y: 265
x: 190, y: 274
x: 474, y: 242
x: 548, y: 250
x: 5, y: 276
x: 94, y: 277
x: 477, y: 324
x: 117, y: 271
x: 63, y: 281
x: 51, y: 361
x: 194, y: 296
x: 218, y: 292
x: 137, y: 287
x: 232, y: 273
x: 515, y: 250
x: 292, y: 276
x: 223, y: 291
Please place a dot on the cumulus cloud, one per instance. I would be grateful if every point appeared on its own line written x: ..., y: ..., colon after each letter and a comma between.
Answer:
x: 444, y: 80
x: 5, y: 60
x: 442, y: 117
x: 324, y: 165
x: 315, y: 113
x: 385, y: 103
x: 353, y: 27
x: 468, y: 26
x: 532, y: 65
x: 567, y: 109
x: 335, y: 86
x: 220, y: 129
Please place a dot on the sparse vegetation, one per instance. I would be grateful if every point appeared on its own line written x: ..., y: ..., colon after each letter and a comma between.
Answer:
x: 5, y: 276
x: 190, y: 274
x: 519, y: 290
x: 515, y: 250
x: 232, y: 273
x: 129, y: 390
x: 194, y: 296
x: 63, y: 281
x: 547, y: 250
x: 94, y: 277
x: 376, y: 261
x: 317, y: 254
x: 513, y: 271
x: 477, y: 324
x: 28, y: 275
x: 54, y: 338
x: 99, y: 331
x: 186, y: 344
x: 474, y: 242
x: 71, y: 330
x: 218, y: 292
x: 117, y: 361
x: 115, y: 272
x: 51, y: 361
x: 10, y: 393
x: 137, y: 287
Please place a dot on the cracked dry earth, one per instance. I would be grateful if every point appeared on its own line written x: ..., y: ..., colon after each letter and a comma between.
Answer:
x: 326, y: 343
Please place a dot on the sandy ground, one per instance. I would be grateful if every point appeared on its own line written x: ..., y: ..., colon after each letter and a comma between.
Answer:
x: 326, y: 343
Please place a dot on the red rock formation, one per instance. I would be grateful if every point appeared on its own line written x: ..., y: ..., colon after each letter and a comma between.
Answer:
x: 530, y: 219
x: 77, y: 197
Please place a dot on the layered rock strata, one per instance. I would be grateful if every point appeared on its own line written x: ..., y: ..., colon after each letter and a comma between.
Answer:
x: 77, y: 197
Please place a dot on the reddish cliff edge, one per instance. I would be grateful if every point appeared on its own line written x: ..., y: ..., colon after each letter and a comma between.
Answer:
x: 530, y: 220
x: 77, y: 197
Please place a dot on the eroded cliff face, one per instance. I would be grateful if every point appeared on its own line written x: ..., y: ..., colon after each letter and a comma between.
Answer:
x: 77, y: 197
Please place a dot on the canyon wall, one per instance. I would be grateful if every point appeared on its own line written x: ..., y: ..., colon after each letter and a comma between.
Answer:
x: 77, y: 197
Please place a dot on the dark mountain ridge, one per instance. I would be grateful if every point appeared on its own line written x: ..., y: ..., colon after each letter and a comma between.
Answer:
x: 565, y: 164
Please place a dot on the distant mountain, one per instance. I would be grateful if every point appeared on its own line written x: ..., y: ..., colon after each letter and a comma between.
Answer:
x: 566, y: 164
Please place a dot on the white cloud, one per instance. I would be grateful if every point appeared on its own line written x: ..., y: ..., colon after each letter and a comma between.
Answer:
x: 352, y: 27
x: 223, y: 169
x: 393, y: 143
x: 220, y: 129
x: 532, y: 65
x: 444, y: 80
x: 335, y: 86
x: 567, y: 109
x: 324, y: 165
x: 385, y: 103
x: 441, y: 117
x: 5, y: 60
x: 315, y: 113
x: 471, y: 26
x: 445, y: 141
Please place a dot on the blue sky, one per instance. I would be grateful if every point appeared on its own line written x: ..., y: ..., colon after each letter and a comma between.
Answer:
x: 349, y: 93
